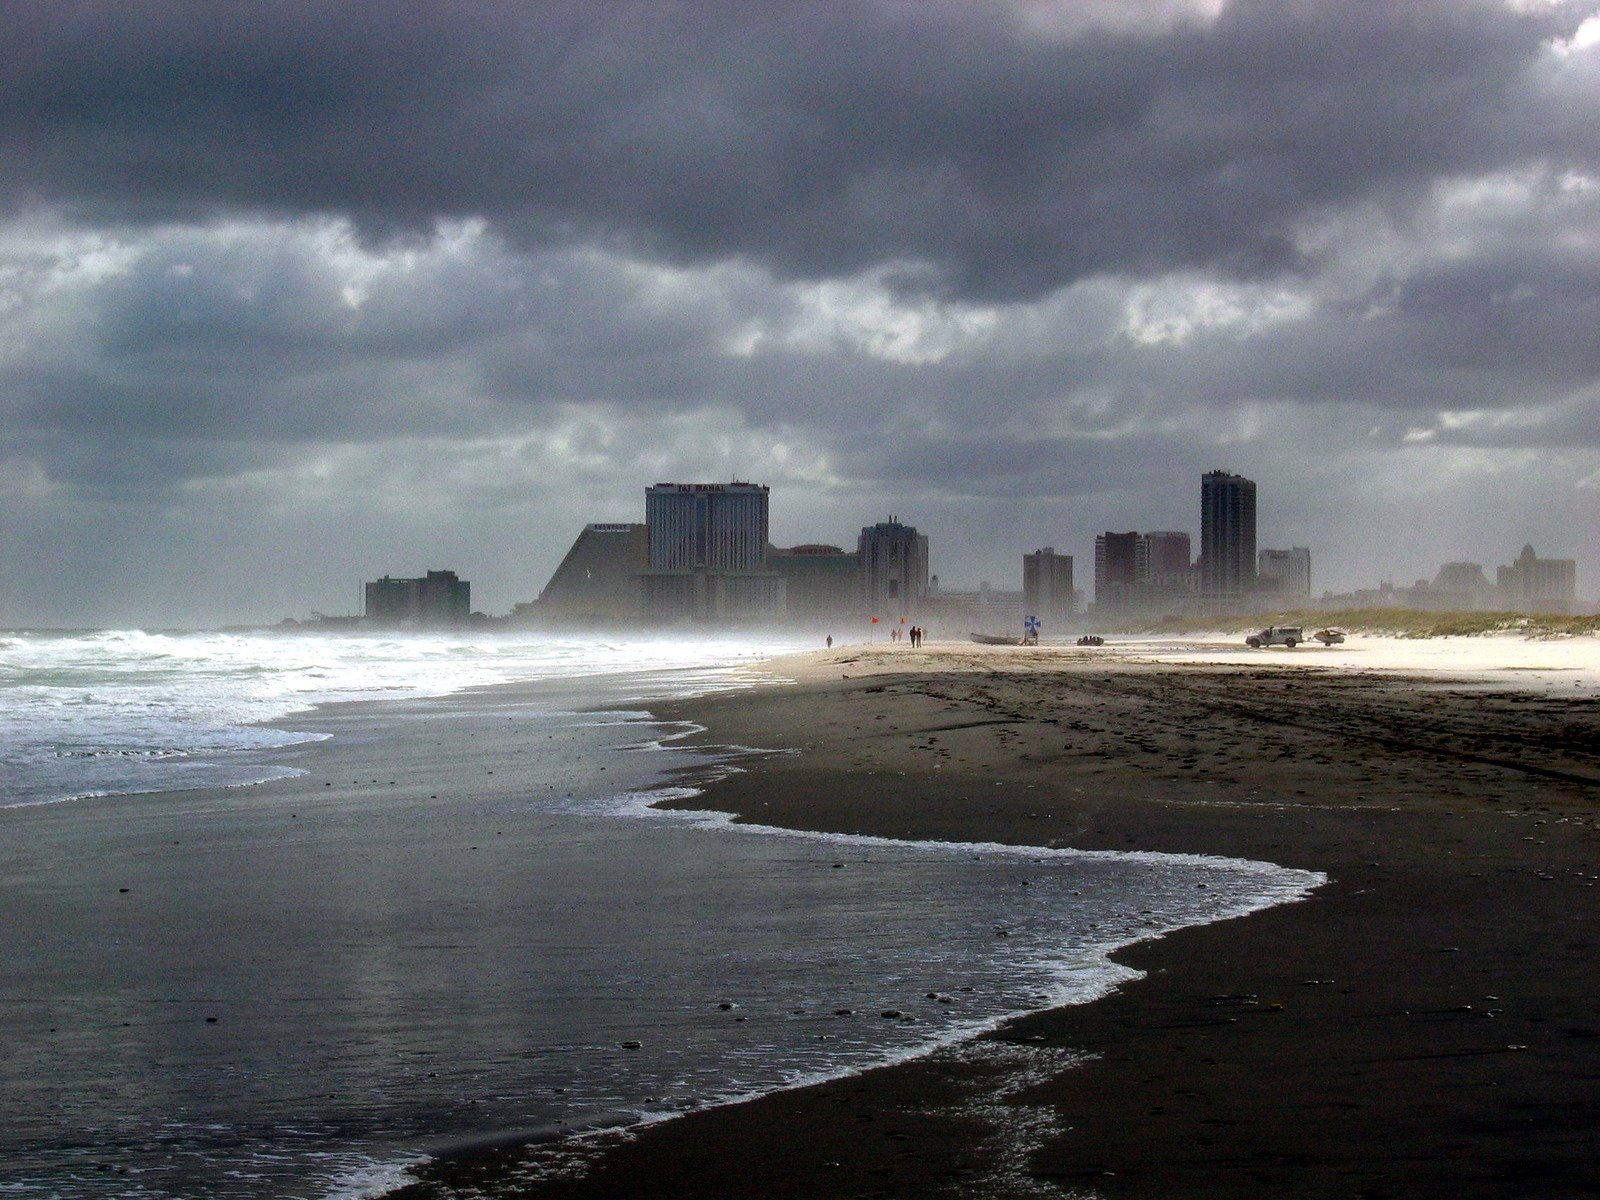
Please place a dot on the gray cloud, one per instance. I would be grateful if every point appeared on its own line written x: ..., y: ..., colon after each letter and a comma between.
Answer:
x: 818, y: 138
x: 304, y: 291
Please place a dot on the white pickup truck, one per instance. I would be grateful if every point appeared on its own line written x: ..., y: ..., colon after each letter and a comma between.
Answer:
x: 1276, y: 635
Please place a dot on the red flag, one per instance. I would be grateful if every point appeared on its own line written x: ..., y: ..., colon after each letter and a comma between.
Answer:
x: 874, y: 620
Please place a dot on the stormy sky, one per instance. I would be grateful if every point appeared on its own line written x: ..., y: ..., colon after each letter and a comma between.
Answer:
x: 296, y: 293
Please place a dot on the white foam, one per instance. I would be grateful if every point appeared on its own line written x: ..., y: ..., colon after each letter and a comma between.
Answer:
x: 371, y: 1179
x: 99, y: 713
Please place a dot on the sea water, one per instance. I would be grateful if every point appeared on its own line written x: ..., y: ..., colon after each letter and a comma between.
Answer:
x: 451, y: 915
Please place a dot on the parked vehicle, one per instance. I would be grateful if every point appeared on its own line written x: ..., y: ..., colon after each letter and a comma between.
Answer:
x: 1288, y: 636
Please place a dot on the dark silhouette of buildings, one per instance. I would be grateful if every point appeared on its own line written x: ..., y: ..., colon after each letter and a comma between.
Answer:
x: 1534, y: 584
x: 1047, y: 589
x: 708, y: 554
x: 437, y: 599
x: 820, y: 583
x: 1116, y: 570
x: 599, y: 579
x: 1164, y: 557
x: 1227, y: 536
x: 894, y: 569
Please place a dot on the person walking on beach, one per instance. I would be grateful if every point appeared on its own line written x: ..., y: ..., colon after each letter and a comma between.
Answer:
x: 830, y: 641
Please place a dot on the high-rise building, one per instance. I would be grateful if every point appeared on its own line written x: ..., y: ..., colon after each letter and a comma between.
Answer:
x: 708, y: 553
x: 894, y: 568
x: 1290, y: 571
x: 1534, y: 584
x: 707, y: 526
x: 1047, y: 588
x: 1116, y: 567
x: 437, y: 598
x: 1166, y: 556
x: 1227, y: 535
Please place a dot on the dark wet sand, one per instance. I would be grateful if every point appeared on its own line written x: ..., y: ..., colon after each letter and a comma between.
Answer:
x: 1426, y: 1025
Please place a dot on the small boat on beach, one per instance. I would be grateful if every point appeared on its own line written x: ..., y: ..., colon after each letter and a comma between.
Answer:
x: 992, y: 639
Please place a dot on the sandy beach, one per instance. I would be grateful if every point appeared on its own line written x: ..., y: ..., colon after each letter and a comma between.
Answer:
x: 1427, y: 1024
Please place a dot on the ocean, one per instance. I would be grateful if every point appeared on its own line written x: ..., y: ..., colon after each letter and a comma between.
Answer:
x: 284, y: 913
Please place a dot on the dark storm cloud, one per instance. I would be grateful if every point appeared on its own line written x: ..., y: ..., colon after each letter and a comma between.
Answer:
x: 817, y: 138
x: 291, y: 291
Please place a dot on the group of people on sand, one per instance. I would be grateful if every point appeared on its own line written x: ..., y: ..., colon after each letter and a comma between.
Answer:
x: 896, y: 634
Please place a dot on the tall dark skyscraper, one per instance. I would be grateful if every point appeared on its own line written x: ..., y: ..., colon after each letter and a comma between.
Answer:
x: 894, y: 568
x: 1227, y: 534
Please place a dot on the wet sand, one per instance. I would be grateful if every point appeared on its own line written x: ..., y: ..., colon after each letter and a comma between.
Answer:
x: 1427, y: 1024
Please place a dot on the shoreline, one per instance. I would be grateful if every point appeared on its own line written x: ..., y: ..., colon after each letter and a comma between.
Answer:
x: 1384, y: 1036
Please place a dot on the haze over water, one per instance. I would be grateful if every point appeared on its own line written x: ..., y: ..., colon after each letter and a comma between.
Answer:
x: 449, y: 918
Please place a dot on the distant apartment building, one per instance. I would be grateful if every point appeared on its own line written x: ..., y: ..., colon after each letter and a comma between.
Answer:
x: 1165, y: 557
x: 1534, y: 584
x: 1142, y: 574
x: 1116, y: 568
x: 1227, y: 536
x: 894, y: 569
x: 437, y: 599
x: 1286, y: 573
x: 707, y: 554
x: 599, y: 581
x: 1047, y: 589
x: 820, y: 583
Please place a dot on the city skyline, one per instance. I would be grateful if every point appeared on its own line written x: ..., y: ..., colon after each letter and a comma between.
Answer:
x: 293, y: 294
x: 704, y: 557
